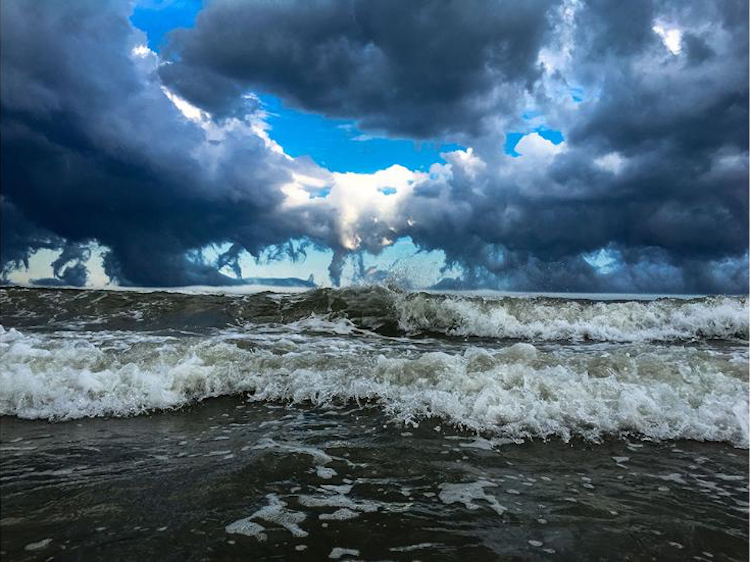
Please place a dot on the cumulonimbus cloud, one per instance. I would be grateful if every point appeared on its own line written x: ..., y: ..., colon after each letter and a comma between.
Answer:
x: 156, y: 156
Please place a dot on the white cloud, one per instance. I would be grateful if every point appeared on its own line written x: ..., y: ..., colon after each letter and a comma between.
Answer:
x: 365, y: 208
x: 141, y: 51
x: 467, y: 160
x: 535, y: 146
x: 670, y: 36
x: 612, y: 162
x: 186, y: 108
x: 360, y: 196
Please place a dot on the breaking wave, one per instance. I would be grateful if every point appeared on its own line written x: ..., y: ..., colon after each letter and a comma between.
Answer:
x: 541, y: 319
x: 519, y: 391
x: 388, y: 312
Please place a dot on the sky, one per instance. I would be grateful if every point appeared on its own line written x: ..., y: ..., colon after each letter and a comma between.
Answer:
x: 584, y: 146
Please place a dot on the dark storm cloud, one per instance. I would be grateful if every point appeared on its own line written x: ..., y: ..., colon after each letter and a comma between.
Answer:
x: 607, y: 27
x: 410, y: 69
x: 675, y: 209
x: 648, y: 192
x: 672, y: 225
x: 92, y: 149
x: 678, y: 121
x: 19, y: 238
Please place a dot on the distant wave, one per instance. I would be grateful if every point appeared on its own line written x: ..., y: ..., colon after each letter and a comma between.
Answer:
x: 388, y: 312
x: 539, y: 319
x: 519, y: 391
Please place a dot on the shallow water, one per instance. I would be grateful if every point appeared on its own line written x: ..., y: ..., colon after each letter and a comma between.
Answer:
x: 368, y: 424
x: 171, y: 485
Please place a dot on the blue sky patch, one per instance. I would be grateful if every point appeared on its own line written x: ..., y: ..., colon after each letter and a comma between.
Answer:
x: 338, y: 145
x: 157, y: 17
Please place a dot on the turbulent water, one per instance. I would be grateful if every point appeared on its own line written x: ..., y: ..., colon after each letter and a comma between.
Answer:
x: 612, y: 379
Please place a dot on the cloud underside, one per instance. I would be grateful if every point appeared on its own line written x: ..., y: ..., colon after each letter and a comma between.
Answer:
x: 156, y: 156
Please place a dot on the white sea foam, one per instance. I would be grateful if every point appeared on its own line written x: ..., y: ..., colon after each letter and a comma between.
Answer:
x: 467, y: 493
x: 339, y: 515
x: 558, y: 319
x: 337, y: 553
x: 38, y: 545
x: 413, y: 547
x: 249, y: 528
x: 337, y: 496
x: 315, y: 323
x: 517, y: 392
x: 275, y: 513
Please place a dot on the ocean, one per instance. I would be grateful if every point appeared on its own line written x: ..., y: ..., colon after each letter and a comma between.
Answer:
x: 372, y: 423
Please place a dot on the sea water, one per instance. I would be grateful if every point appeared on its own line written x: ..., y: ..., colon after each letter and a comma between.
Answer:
x: 371, y: 423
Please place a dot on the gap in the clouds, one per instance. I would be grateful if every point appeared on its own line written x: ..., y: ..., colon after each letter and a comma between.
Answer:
x: 157, y: 17
x: 40, y: 267
x: 339, y: 146
x: 401, y: 262
x: 314, y: 262
x: 512, y: 138
x: 336, y: 144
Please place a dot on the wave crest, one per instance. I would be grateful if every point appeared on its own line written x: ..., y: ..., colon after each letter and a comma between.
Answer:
x: 386, y: 312
x: 518, y: 391
x: 540, y: 319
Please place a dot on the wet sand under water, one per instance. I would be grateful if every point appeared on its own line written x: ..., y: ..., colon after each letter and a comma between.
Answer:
x: 229, y: 479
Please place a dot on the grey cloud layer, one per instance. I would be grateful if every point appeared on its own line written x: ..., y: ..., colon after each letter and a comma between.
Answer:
x: 414, y: 70
x: 93, y: 150
x: 675, y: 213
